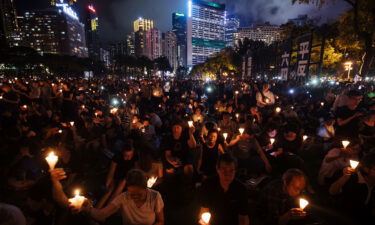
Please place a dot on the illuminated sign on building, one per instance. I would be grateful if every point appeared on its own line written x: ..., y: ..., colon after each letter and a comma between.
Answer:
x: 91, y: 8
x: 190, y: 6
x: 94, y: 24
x: 67, y: 10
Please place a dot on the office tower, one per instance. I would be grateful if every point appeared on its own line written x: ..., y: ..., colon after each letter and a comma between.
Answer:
x: 9, y: 29
x: 205, y: 31
x: 169, y: 46
x: 231, y: 26
x: 139, y: 43
x: 153, y: 43
x: 92, y: 32
x: 143, y: 24
x: 179, y: 28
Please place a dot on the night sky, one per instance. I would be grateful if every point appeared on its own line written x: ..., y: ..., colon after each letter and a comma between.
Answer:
x: 116, y: 16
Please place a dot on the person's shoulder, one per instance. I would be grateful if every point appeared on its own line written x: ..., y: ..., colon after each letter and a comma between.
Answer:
x: 153, y: 194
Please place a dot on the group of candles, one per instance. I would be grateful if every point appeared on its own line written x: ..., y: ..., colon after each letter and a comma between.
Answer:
x: 206, y: 217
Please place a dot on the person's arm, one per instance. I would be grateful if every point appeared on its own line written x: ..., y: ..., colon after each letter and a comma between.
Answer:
x: 159, y: 218
x: 342, y: 122
x: 200, y: 158
x: 57, y: 188
x: 191, y: 142
x: 243, y: 220
x: 259, y: 98
x: 233, y: 141
x: 336, y: 187
x: 221, y: 149
x: 169, y: 158
x: 263, y: 156
x: 111, y: 174
x: 101, y: 214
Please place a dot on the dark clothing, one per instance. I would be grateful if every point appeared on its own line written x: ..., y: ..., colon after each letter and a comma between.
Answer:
x: 179, y: 149
x: 288, y: 146
x: 350, y: 129
x: 123, y: 166
x: 225, y: 207
x: 209, y: 159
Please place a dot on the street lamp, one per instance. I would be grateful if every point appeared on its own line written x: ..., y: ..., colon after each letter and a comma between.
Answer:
x: 348, y: 67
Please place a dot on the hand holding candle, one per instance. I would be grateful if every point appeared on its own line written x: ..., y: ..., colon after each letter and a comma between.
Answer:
x: 345, y: 143
x: 190, y: 123
x: 303, y: 203
x: 77, y: 201
x: 52, y: 160
x: 353, y: 164
x: 206, y: 217
x: 241, y: 130
x: 272, y: 140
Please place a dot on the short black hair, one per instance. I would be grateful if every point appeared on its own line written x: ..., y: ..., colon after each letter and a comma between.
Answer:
x: 226, y: 158
x: 291, y: 173
x: 136, y: 177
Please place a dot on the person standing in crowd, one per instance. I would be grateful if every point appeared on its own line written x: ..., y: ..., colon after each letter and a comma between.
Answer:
x: 265, y: 97
x: 224, y: 196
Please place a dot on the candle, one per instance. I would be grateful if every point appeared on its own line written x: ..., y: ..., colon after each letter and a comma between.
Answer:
x: 304, y: 137
x: 353, y: 164
x: 272, y: 140
x: 322, y: 103
x: 71, y: 123
x: 77, y: 201
x: 225, y: 136
x: 1, y: 97
x: 60, y: 131
x: 303, y: 203
x: 151, y: 181
x: 114, y: 110
x: 96, y: 114
x: 267, y: 100
x: 190, y: 123
x: 241, y: 130
x: 345, y: 143
x: 52, y: 160
x: 218, y: 129
x: 278, y: 109
x: 206, y: 217
x: 237, y: 92
x: 83, y: 106
x: 24, y: 106
x: 237, y: 115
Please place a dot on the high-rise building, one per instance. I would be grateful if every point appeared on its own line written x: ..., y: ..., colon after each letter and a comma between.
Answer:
x: 118, y: 49
x: 92, y: 32
x: 9, y: 31
x: 143, y: 24
x: 55, y: 31
x: 231, y: 26
x: 139, y: 43
x: 152, y: 48
x: 130, y: 44
x: 260, y: 32
x: 205, y: 31
x: 179, y: 28
x: 169, y: 46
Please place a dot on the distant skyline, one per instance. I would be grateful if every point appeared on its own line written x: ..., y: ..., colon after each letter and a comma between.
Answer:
x: 116, y: 16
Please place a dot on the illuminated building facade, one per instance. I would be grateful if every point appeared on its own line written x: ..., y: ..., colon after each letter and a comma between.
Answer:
x: 92, y: 32
x: 205, y: 31
x: 260, y: 32
x: 153, y: 48
x: 143, y: 24
x: 231, y: 26
x: 9, y: 29
x: 179, y: 28
x: 54, y: 31
x: 169, y: 46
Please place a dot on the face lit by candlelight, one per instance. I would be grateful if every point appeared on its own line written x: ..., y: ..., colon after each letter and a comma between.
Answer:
x: 226, y: 171
x: 136, y: 193
x: 212, y: 137
x: 295, y: 186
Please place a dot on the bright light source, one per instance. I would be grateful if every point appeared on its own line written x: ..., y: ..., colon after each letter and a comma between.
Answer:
x: 303, y: 203
x: 190, y: 8
x: 206, y: 217
x: 332, y: 83
x: 291, y: 91
x: 115, y: 102
x: 345, y: 143
x: 314, y: 81
x: 209, y: 89
x: 353, y: 164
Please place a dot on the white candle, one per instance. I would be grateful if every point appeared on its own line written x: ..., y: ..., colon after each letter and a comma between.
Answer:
x: 77, y: 201
x: 304, y: 137
x: 96, y: 114
x: 52, y: 160
x: 114, y: 110
x: 303, y: 203
x: 241, y: 130
x: 237, y: 115
x: 322, y: 103
x: 60, y: 131
x: 151, y: 181
x: 237, y: 92
x: 267, y: 100
x: 225, y: 135
x: 190, y: 123
x: 272, y: 140
x: 345, y: 143
x: 71, y: 123
x: 206, y: 217
x: 218, y: 129
x: 278, y: 109
x: 353, y: 164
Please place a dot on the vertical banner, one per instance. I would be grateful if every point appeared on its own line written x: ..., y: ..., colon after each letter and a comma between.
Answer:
x: 249, y: 64
x: 303, y: 55
x: 285, y: 60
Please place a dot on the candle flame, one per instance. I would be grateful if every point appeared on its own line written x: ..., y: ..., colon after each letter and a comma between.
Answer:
x: 305, y: 137
x: 225, y: 136
x: 206, y: 217
x: 272, y: 140
x: 303, y: 203
x: 77, y: 192
x: 353, y: 163
x: 278, y: 109
x: 241, y: 130
x: 345, y: 143
x: 190, y: 123
x: 151, y: 181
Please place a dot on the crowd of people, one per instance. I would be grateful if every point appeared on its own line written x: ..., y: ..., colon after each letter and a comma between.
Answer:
x: 246, y: 152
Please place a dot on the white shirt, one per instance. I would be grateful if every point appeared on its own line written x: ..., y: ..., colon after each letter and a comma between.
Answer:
x: 269, y: 95
x: 144, y: 215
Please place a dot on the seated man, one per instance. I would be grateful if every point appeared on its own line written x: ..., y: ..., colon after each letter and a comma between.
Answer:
x: 223, y: 196
x: 356, y: 192
x: 277, y: 203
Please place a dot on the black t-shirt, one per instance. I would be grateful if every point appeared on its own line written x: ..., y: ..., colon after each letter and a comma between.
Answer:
x: 179, y: 148
x: 288, y: 146
x: 123, y: 166
x: 209, y: 159
x: 350, y: 129
x: 225, y: 207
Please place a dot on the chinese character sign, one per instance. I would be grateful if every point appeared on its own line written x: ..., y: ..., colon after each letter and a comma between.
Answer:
x: 304, y: 49
x: 285, y: 60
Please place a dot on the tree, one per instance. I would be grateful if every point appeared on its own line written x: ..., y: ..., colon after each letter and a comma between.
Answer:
x: 162, y: 63
x: 358, y: 22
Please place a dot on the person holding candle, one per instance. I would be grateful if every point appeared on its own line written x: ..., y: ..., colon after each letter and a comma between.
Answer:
x: 278, y: 202
x: 265, y: 97
x: 355, y: 192
x: 138, y: 205
x: 337, y: 159
x: 224, y: 196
